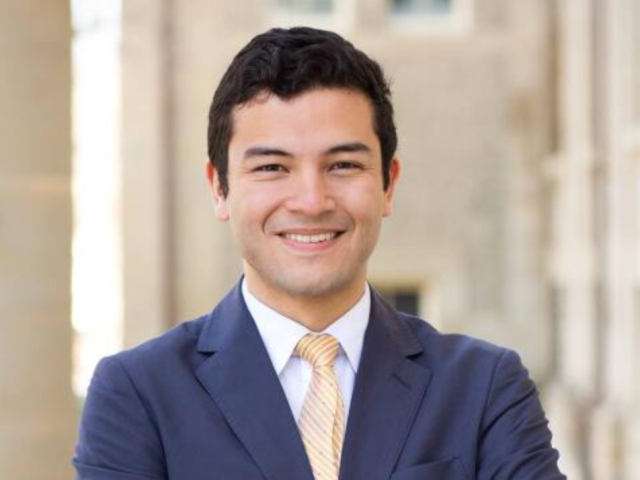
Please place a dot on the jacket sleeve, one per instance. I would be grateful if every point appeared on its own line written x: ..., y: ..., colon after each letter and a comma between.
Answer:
x: 515, y: 441
x: 118, y: 439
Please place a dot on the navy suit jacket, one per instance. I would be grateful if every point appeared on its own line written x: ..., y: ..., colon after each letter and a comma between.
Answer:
x: 203, y: 402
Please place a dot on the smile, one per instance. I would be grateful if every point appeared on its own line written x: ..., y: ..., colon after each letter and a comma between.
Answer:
x: 323, y: 237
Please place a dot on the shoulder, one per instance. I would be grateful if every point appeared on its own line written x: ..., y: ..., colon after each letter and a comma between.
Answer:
x: 462, y: 356
x: 452, y: 345
x: 424, y: 343
x: 493, y: 375
x: 178, y: 346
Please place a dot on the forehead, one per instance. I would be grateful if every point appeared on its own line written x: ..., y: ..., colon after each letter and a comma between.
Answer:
x: 321, y: 115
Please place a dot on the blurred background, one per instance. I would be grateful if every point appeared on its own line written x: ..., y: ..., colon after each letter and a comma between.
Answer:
x: 517, y: 218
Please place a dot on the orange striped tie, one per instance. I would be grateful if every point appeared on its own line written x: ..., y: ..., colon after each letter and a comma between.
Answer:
x: 321, y: 420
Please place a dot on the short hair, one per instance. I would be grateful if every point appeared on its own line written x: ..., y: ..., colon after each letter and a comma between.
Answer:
x: 287, y: 63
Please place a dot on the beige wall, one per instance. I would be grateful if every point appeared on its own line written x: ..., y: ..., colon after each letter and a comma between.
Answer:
x: 37, y: 416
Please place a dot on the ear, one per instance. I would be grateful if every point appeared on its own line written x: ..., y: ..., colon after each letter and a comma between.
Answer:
x: 220, y: 206
x: 394, y: 174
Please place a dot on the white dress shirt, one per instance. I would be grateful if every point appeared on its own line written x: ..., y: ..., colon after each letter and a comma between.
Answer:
x: 281, y: 335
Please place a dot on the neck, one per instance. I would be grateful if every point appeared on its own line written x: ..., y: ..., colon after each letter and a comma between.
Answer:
x: 314, y: 312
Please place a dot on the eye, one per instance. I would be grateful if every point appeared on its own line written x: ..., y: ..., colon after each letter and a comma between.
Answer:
x: 345, y: 165
x: 272, y: 167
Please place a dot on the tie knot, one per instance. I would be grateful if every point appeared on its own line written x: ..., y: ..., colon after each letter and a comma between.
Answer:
x: 318, y: 350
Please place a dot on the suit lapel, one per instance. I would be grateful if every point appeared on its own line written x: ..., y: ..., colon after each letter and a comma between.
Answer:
x: 388, y: 392
x: 241, y: 380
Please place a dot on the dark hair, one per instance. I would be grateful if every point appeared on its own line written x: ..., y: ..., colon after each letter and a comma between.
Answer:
x: 288, y: 63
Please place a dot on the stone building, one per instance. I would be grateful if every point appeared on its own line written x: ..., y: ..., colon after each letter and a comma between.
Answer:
x: 594, y: 256
x: 517, y: 218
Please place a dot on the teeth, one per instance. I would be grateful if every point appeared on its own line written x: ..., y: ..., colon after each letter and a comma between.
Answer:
x: 323, y: 237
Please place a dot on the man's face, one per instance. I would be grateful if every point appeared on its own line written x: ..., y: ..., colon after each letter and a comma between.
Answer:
x: 305, y: 197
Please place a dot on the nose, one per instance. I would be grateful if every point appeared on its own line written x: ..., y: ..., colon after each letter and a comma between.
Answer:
x: 311, y: 196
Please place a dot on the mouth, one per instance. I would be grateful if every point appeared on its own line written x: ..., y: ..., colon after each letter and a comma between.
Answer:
x: 315, y: 241
x: 319, y: 238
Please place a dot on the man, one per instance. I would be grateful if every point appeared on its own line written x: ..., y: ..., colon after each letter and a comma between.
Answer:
x: 303, y: 372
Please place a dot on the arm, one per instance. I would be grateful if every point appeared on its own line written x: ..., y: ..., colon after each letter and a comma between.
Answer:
x: 515, y: 441
x: 118, y: 439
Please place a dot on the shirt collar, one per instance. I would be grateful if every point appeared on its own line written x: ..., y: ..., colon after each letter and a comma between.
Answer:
x: 281, y: 334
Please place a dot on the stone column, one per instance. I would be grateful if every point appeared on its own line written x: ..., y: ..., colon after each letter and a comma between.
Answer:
x: 573, y: 259
x: 147, y: 193
x: 37, y: 414
x: 622, y: 401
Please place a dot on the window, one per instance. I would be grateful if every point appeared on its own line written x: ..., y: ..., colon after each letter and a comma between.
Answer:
x: 404, y: 300
x: 306, y: 6
x: 430, y: 16
x: 314, y: 13
x: 435, y: 7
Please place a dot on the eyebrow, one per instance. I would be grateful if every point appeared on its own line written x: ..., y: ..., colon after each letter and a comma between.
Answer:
x: 351, y: 147
x: 265, y: 152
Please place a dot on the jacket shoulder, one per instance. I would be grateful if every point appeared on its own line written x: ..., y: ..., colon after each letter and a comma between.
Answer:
x: 453, y: 346
x: 179, y: 342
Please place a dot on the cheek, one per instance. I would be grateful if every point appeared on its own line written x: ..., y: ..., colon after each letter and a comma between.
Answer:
x: 252, y: 208
x: 365, y: 204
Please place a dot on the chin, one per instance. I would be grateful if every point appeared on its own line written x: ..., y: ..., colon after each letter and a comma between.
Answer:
x: 304, y: 286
